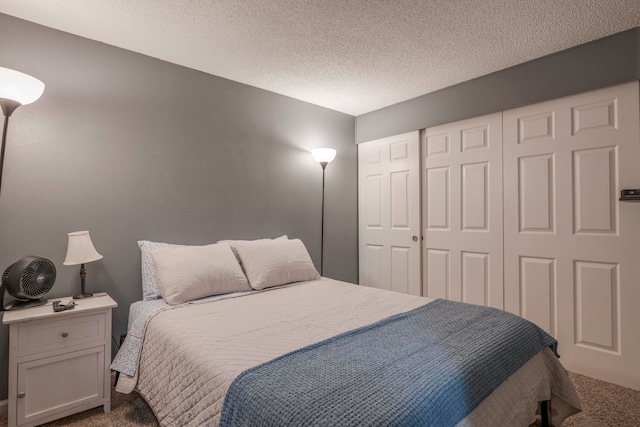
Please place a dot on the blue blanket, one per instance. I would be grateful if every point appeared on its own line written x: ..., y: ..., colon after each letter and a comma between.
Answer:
x: 429, y: 367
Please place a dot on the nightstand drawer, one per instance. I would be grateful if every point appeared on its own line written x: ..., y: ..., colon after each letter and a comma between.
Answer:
x: 48, y: 335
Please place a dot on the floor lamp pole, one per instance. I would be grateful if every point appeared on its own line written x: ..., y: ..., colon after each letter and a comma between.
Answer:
x: 4, y: 139
x: 8, y: 107
x: 324, y: 165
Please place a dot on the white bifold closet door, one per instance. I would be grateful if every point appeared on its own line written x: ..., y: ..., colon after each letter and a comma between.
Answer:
x: 520, y: 211
x: 389, y: 213
x: 572, y: 250
x: 462, y: 211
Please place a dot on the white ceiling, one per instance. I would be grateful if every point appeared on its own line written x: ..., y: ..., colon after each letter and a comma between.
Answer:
x: 353, y: 56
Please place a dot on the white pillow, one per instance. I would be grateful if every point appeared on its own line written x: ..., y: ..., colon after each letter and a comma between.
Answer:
x: 276, y: 262
x: 232, y: 243
x: 148, y: 267
x: 193, y: 272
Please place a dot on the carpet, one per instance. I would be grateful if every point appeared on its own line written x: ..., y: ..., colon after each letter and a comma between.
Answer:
x: 604, y: 405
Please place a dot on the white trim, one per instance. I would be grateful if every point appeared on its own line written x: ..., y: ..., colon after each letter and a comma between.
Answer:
x: 4, y: 407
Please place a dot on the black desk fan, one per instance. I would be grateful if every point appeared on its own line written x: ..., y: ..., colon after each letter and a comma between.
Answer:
x: 27, y: 281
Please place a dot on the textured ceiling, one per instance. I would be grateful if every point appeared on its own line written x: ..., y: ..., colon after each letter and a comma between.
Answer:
x: 353, y: 56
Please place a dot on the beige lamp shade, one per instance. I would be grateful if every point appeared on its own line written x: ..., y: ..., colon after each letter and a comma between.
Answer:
x: 19, y: 87
x: 80, y: 249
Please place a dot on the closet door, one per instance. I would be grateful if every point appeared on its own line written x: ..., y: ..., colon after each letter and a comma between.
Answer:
x: 462, y: 211
x: 572, y: 258
x: 389, y: 213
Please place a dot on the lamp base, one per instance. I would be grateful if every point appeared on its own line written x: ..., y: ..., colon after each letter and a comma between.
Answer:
x: 82, y: 295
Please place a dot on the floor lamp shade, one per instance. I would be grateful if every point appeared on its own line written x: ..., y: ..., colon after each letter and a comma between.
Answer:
x: 80, y: 250
x: 19, y: 87
x: 323, y: 155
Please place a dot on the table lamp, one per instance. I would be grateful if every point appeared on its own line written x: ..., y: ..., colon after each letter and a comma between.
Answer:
x: 80, y: 250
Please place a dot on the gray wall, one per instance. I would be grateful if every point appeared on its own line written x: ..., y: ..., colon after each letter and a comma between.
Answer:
x: 604, y: 62
x: 130, y: 148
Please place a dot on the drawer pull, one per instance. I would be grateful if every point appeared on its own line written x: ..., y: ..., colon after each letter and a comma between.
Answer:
x: 21, y: 395
x: 65, y: 334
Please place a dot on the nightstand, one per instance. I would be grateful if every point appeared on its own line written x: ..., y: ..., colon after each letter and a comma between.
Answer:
x: 59, y: 362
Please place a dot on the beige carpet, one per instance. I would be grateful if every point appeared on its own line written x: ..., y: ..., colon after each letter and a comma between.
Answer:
x: 604, y: 405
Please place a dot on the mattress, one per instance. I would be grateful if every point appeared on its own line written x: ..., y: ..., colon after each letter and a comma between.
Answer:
x: 192, y: 353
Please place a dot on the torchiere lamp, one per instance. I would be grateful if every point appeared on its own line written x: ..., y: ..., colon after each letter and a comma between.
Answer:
x: 16, y: 89
x: 324, y: 156
x: 80, y: 251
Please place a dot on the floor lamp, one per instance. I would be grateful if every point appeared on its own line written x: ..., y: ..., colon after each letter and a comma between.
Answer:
x: 324, y: 156
x: 16, y: 89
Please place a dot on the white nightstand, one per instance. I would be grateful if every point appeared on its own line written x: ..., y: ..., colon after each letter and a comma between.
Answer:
x: 59, y: 362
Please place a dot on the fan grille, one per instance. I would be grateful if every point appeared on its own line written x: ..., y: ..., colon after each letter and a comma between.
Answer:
x: 37, y: 278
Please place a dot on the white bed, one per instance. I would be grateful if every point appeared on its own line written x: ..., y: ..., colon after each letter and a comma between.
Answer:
x: 192, y: 352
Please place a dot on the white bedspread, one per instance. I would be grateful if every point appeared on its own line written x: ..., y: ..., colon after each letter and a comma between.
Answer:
x: 191, y: 354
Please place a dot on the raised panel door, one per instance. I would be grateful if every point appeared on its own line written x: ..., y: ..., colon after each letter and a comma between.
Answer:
x: 462, y: 209
x: 572, y: 263
x: 389, y: 205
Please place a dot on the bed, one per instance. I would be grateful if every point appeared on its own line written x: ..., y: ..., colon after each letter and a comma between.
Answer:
x: 189, y: 359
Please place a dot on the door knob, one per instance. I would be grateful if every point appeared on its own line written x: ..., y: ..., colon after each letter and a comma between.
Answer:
x: 21, y: 395
x: 414, y: 238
